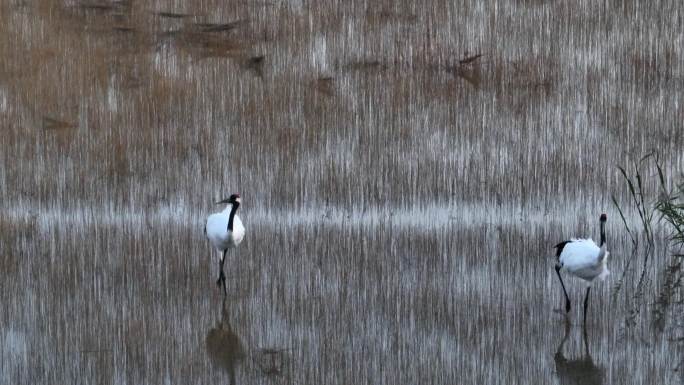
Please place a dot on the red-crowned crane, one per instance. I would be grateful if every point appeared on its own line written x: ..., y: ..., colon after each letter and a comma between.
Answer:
x: 583, y: 259
x: 225, y: 231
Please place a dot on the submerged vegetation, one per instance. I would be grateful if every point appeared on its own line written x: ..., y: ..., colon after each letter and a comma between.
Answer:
x: 661, y: 228
x: 671, y: 297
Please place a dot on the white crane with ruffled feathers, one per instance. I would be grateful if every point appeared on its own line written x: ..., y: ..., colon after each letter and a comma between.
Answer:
x: 584, y: 259
x: 225, y: 231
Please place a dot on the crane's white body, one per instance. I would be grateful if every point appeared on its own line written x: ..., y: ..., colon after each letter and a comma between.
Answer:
x: 585, y: 259
x: 217, y: 230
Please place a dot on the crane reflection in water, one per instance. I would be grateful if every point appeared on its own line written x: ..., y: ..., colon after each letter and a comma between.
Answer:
x: 580, y: 370
x: 224, y: 347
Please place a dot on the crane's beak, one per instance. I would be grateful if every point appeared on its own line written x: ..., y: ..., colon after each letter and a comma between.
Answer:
x: 227, y: 200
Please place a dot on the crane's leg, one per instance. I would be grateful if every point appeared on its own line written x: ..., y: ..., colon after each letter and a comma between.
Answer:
x: 567, y: 299
x: 559, y: 357
x: 586, y: 344
x: 222, y: 277
x: 586, y: 303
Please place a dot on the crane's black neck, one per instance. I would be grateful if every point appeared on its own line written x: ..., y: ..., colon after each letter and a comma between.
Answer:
x: 603, y: 233
x: 233, y: 210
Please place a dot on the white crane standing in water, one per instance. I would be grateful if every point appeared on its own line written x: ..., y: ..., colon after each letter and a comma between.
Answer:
x: 225, y: 231
x: 583, y: 259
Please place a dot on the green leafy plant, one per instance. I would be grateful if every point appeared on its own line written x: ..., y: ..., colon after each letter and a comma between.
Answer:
x: 638, y: 195
x: 646, y: 211
x: 667, y: 210
x: 671, y: 208
x: 670, y: 205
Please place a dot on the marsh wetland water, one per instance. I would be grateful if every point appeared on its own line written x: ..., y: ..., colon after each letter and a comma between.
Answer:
x: 401, y: 194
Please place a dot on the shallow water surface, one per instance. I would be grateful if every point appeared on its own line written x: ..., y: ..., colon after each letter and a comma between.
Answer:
x: 311, y: 302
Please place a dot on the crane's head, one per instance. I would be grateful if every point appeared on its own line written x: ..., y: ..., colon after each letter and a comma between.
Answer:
x: 235, y: 198
x: 603, y: 218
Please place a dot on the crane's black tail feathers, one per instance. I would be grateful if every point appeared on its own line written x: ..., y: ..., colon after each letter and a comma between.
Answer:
x: 559, y: 247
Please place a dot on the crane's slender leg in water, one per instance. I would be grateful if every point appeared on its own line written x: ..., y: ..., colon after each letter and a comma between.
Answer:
x: 567, y: 299
x: 586, y: 303
x: 558, y: 357
x: 586, y: 344
x: 222, y: 277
